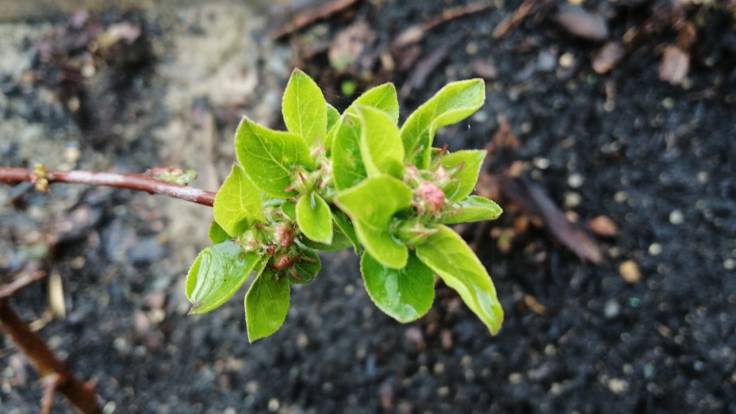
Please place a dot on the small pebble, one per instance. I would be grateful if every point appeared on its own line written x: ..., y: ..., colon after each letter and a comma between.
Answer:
x: 572, y: 200
x: 676, y: 217
x: 655, y: 249
x: 515, y: 378
x: 729, y: 264
x: 612, y: 309
x: 575, y: 180
x: 617, y: 386
x: 273, y: 405
x: 541, y: 163
x: 629, y: 271
x: 620, y: 197
x: 567, y: 60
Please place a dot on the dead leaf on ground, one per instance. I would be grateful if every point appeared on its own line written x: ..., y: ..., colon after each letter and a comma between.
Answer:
x: 674, y: 65
x: 607, y: 57
x: 350, y: 45
x: 582, y: 23
x: 603, y: 226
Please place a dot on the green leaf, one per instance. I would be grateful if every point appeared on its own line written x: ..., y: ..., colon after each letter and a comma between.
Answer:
x: 266, y: 305
x: 216, y: 274
x: 307, y: 267
x: 382, y: 97
x: 268, y: 156
x: 371, y: 206
x: 466, y: 166
x: 347, y: 164
x: 343, y: 223
x: 237, y: 203
x: 403, y: 294
x: 333, y: 115
x: 289, y: 208
x: 447, y: 254
x: 304, y: 108
x: 451, y: 104
x: 344, y: 141
x: 380, y: 143
x: 217, y: 234
x: 314, y: 218
x: 473, y: 208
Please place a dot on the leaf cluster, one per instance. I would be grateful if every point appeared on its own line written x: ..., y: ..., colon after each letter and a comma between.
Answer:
x: 356, y: 180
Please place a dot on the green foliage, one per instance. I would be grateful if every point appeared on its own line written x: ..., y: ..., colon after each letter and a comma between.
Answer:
x: 348, y: 180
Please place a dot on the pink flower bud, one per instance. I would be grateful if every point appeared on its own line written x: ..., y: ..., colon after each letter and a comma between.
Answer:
x: 430, y: 196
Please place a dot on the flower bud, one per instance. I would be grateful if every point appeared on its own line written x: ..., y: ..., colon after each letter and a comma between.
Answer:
x: 430, y: 198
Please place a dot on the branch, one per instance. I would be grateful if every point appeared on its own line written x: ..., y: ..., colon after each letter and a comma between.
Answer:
x: 135, y: 182
x: 48, y: 365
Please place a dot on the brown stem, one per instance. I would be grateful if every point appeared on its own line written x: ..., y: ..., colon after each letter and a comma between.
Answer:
x: 82, y: 396
x: 135, y: 182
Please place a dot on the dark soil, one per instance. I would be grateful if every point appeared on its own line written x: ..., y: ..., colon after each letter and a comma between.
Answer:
x: 657, y: 159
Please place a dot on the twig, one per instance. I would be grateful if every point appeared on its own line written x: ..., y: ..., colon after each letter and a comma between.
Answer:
x: 521, y: 13
x: 82, y: 396
x: 416, y: 32
x: 135, y: 182
x: 19, y: 283
x: 310, y: 16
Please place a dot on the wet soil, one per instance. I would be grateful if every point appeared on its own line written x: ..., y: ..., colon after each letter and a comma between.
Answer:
x: 658, y: 159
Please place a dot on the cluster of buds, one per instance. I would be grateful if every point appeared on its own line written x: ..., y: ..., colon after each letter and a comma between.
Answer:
x: 429, y: 199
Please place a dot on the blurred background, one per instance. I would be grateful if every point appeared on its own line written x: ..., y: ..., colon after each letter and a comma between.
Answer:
x: 612, y: 147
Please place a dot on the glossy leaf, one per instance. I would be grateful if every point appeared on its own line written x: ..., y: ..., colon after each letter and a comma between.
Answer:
x: 380, y: 143
x: 382, y: 97
x: 403, y: 294
x: 347, y: 163
x: 216, y: 274
x: 451, y: 104
x: 473, y: 208
x: 304, y: 108
x: 466, y: 165
x: 371, y: 206
x: 447, y: 254
x: 237, y: 203
x: 217, y: 234
x: 333, y: 115
x: 307, y: 267
x: 268, y: 156
x: 343, y: 223
x: 266, y: 304
x: 314, y: 218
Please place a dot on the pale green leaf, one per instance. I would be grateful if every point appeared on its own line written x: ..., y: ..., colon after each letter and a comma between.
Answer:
x: 380, y: 143
x: 217, y: 234
x: 333, y: 115
x: 371, y: 206
x: 451, y: 104
x: 237, y: 203
x: 268, y: 156
x: 306, y: 267
x: 314, y: 218
x: 465, y: 166
x: 266, y: 305
x: 403, y: 294
x: 304, y: 108
x: 447, y: 254
x: 216, y: 274
x: 473, y: 208
x: 344, y: 140
x: 343, y: 223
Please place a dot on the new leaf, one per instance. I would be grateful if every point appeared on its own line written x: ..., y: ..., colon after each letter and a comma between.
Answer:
x: 304, y: 108
x: 347, y: 163
x: 237, y: 203
x: 314, y: 218
x: 473, y: 208
x: 465, y: 166
x: 216, y: 274
x: 380, y: 143
x: 451, y: 104
x: 268, y: 156
x: 447, y: 254
x: 403, y: 294
x: 266, y: 305
x: 371, y: 206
